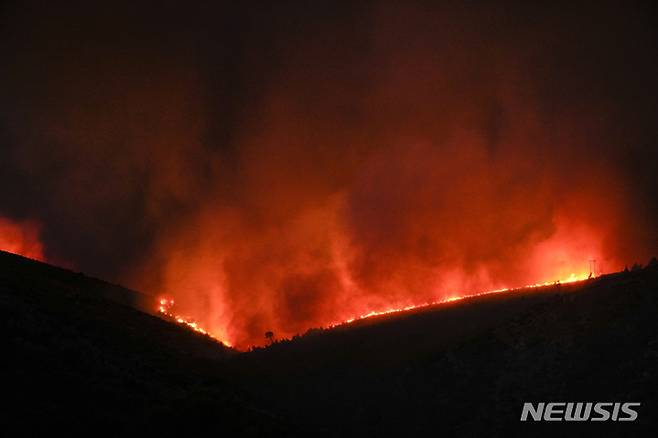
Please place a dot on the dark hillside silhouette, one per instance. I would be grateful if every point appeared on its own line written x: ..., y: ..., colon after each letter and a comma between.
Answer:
x: 82, y: 360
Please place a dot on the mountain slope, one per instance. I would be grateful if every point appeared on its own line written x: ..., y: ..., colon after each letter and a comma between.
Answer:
x: 465, y: 368
x: 83, y: 357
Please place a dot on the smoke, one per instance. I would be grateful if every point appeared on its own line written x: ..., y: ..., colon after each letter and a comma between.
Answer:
x: 289, y: 168
x: 20, y: 238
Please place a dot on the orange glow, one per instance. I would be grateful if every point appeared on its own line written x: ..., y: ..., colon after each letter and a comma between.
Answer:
x: 310, y: 276
x: 326, y: 219
x: 313, y: 275
x: 21, y: 238
x: 403, y: 154
x: 572, y: 278
x: 289, y: 268
x: 165, y: 306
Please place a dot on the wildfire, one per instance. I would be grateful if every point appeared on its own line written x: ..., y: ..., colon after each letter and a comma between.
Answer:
x: 573, y: 278
x: 21, y: 238
x: 165, y: 306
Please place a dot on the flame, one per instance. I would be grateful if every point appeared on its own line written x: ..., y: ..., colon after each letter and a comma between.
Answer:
x: 165, y: 306
x: 572, y: 278
x: 21, y: 238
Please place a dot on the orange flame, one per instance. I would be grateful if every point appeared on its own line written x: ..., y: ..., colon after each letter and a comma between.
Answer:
x: 21, y: 238
x: 165, y: 306
x: 573, y: 278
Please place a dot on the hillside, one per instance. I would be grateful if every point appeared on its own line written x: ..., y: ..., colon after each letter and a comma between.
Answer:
x: 83, y: 356
x: 465, y: 368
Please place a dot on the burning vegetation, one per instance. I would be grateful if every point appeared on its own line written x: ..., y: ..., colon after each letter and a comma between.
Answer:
x: 166, y: 306
x: 333, y: 161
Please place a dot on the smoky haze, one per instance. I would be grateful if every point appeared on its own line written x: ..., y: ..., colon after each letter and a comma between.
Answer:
x: 289, y: 165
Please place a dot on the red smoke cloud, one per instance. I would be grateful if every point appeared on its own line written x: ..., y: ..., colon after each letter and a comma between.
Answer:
x: 414, y: 224
x: 21, y: 238
x: 325, y: 165
x: 442, y: 175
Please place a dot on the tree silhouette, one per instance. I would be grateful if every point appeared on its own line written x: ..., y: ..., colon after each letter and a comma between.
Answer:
x: 270, y: 336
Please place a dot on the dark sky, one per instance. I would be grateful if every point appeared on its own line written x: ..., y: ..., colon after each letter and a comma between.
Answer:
x: 272, y: 162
